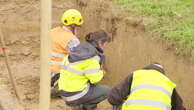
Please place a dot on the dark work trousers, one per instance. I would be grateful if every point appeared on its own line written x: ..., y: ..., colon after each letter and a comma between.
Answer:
x: 116, y: 107
x: 95, y: 95
x: 100, y: 93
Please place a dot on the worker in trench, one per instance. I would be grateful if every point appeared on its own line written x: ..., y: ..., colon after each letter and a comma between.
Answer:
x: 64, y: 39
x: 146, y: 89
x: 81, y: 71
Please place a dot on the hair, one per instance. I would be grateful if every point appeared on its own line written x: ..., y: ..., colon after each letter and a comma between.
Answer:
x: 98, y: 36
x: 158, y: 64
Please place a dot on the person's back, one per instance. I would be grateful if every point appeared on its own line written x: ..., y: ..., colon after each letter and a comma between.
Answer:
x: 64, y: 38
x: 81, y: 71
x: 150, y: 90
x: 76, y: 71
x: 60, y: 41
x: 63, y: 41
x: 146, y: 89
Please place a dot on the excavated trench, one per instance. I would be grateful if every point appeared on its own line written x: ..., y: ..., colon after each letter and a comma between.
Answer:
x: 132, y: 48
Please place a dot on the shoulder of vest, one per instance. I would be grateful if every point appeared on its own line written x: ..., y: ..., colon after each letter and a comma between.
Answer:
x: 157, y: 72
x: 59, y: 29
x: 56, y: 29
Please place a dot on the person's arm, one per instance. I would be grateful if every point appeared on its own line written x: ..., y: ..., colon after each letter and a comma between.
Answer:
x: 177, y: 102
x: 93, y: 72
x: 119, y: 93
x: 72, y: 44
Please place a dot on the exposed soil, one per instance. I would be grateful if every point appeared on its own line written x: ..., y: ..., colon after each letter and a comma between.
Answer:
x: 132, y: 48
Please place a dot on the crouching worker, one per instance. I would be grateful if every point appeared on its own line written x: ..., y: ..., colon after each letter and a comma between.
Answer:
x: 146, y: 89
x: 64, y: 39
x: 81, y: 71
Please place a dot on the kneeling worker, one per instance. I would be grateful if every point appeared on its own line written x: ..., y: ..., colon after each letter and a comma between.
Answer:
x: 146, y: 89
x: 81, y: 71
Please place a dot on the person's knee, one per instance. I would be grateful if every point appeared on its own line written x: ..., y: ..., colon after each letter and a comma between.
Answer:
x: 105, y: 90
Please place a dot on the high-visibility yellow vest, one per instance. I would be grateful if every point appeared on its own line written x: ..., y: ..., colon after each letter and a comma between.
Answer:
x: 150, y: 90
x: 77, y: 76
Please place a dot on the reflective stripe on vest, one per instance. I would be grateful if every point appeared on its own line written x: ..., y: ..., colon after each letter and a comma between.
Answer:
x: 56, y: 62
x: 77, y: 96
x: 54, y: 54
x: 151, y: 90
x: 149, y: 86
x: 66, y: 68
x: 147, y: 102
x: 90, y: 71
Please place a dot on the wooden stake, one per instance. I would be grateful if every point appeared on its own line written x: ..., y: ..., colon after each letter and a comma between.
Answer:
x: 45, y: 74
x: 7, y: 65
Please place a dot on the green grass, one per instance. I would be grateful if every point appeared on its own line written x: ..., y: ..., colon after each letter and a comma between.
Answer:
x: 171, y: 19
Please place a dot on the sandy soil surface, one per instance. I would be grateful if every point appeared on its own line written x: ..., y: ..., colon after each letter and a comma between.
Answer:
x: 132, y: 48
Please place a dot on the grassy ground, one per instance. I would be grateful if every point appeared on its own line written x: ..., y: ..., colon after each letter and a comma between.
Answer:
x: 171, y: 19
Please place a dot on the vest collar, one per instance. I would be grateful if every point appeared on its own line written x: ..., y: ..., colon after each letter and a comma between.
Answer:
x: 155, y: 67
x: 66, y: 29
x: 99, y: 52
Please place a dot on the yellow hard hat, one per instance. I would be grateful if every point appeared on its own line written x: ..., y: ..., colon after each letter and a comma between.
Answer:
x: 72, y: 16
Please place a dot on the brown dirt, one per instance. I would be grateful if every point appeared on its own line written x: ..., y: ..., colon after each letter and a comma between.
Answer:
x: 132, y: 48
